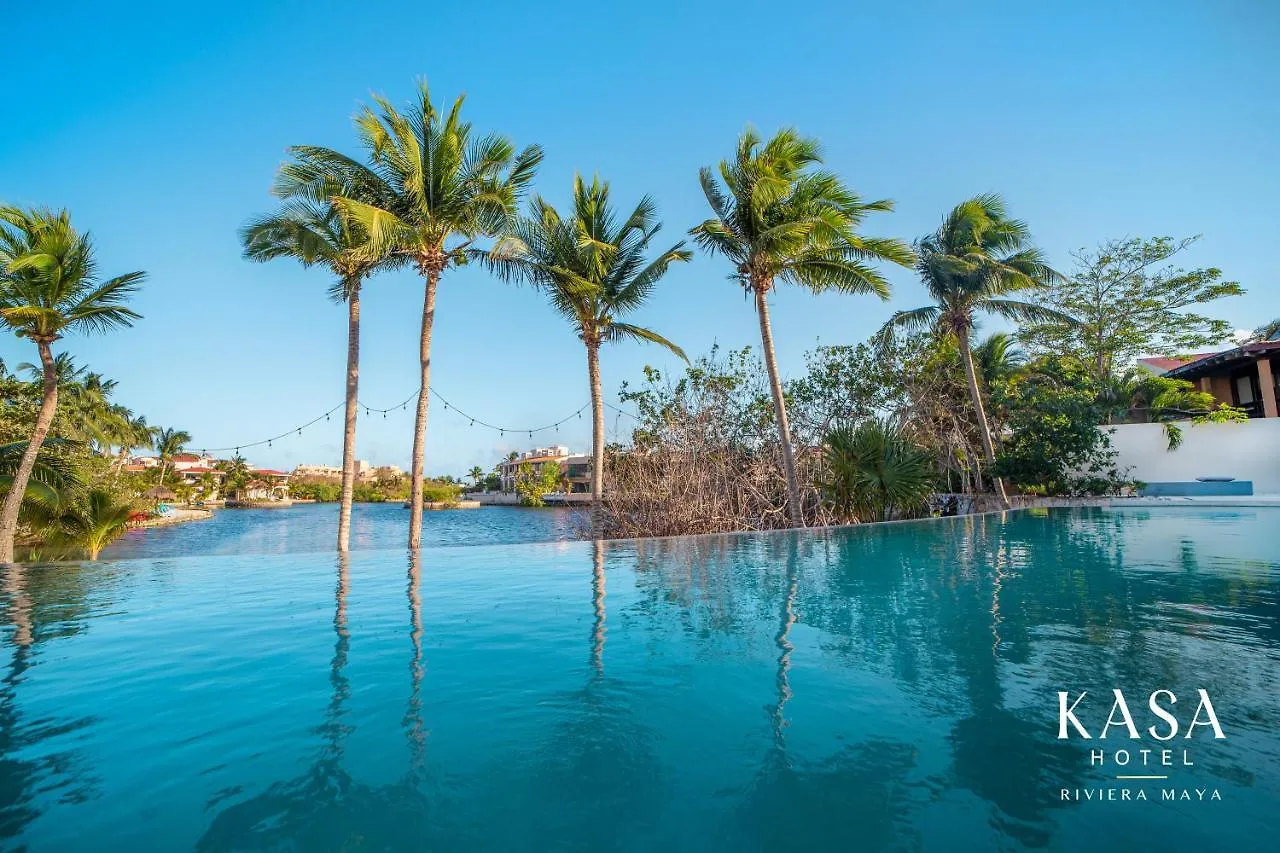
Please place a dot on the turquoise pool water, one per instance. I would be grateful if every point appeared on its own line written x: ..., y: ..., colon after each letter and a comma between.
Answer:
x: 879, y: 688
x: 304, y: 528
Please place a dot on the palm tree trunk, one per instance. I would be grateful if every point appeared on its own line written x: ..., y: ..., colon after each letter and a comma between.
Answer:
x: 420, y: 423
x: 44, y: 420
x: 597, y: 436
x: 794, y: 505
x: 349, y: 418
x: 984, y: 428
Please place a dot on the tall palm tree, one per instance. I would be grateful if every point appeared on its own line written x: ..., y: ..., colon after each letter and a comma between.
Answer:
x: 131, y: 432
x: 49, y: 287
x: 437, y: 189
x: 476, y: 474
x: 977, y: 258
x: 780, y: 218
x: 168, y: 444
x: 312, y: 233
x: 593, y: 270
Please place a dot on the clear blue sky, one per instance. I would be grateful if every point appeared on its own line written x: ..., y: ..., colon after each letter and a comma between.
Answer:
x: 160, y: 129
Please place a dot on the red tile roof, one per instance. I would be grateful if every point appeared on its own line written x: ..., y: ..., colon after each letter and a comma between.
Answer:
x: 1165, y: 364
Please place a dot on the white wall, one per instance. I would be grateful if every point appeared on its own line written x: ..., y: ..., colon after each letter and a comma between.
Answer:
x: 1246, y: 451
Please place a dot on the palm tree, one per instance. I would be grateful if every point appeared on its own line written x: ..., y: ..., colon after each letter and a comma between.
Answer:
x: 168, y: 444
x: 52, y: 478
x: 998, y: 357
x: 314, y: 232
x: 476, y: 474
x: 593, y: 270
x: 432, y: 189
x: 971, y: 263
x: 49, y: 287
x: 131, y: 432
x: 780, y: 218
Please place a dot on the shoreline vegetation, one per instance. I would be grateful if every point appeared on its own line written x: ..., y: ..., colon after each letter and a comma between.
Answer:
x: 927, y: 411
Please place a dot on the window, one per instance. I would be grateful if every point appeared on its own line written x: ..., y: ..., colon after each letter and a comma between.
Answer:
x: 1244, y: 390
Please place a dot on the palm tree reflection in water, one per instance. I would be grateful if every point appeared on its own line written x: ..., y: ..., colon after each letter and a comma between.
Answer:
x: 597, y: 602
x: 325, y: 808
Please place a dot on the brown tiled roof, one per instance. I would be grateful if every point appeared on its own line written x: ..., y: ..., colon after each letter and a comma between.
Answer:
x: 1165, y: 363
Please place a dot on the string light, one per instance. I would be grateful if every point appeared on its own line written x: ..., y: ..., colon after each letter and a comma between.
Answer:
x: 404, y: 406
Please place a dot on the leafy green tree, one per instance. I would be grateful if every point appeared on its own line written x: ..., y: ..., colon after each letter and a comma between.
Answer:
x: 49, y: 287
x: 973, y: 263
x: 476, y: 474
x: 594, y: 270
x: 780, y: 218
x: 534, y: 484
x: 1129, y: 301
x: 316, y: 233
x: 874, y: 472
x: 1054, y: 445
x: 435, y: 189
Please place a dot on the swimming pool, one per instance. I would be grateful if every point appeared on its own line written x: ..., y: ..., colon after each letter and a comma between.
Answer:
x: 889, y: 687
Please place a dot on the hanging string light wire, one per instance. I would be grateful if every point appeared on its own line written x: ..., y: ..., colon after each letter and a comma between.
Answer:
x: 403, y: 404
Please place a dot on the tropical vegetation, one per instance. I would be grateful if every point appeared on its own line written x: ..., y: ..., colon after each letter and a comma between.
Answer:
x: 778, y: 218
x: 871, y: 430
x: 594, y: 269
x: 430, y: 189
x: 49, y: 287
x: 973, y: 263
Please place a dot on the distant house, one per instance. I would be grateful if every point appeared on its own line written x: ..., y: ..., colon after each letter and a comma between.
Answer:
x: 1247, y: 376
x: 575, y: 469
x: 332, y: 472
x: 508, y: 469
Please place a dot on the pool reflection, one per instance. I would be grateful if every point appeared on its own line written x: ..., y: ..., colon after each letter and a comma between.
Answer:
x: 889, y: 687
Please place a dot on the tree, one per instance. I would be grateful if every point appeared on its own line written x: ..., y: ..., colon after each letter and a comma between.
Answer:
x: 1129, y: 302
x: 437, y: 188
x: 168, y: 444
x: 998, y: 358
x: 476, y: 474
x: 594, y: 271
x: 1269, y: 331
x: 533, y: 484
x: 874, y: 472
x: 972, y: 263
x: 1054, y: 444
x: 778, y: 218
x: 315, y: 232
x: 97, y: 524
x: 48, y: 288
x: 52, y: 481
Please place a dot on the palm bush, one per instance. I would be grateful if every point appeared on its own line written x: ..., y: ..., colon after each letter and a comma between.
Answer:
x: 95, y: 525
x: 874, y: 472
